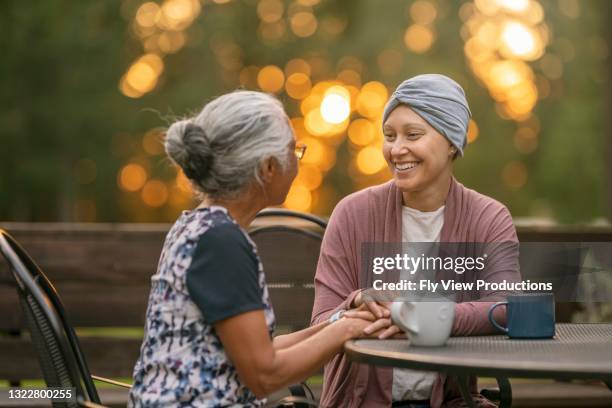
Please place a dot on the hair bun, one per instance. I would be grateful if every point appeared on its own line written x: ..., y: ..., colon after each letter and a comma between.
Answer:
x: 187, y: 145
x: 200, y: 155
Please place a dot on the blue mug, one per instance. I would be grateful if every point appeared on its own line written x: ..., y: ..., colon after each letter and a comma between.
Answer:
x: 529, y: 316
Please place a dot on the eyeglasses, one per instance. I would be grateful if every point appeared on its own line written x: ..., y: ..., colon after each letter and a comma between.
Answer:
x: 300, y: 149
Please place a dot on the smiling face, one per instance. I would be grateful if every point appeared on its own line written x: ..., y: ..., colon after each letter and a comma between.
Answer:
x: 418, y: 156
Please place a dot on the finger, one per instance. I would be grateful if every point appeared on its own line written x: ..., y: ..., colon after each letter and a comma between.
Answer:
x: 389, y: 332
x: 377, y: 325
x: 376, y: 309
x: 365, y: 315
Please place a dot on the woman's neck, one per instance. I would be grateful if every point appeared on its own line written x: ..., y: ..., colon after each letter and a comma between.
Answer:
x: 242, y: 209
x: 432, y: 197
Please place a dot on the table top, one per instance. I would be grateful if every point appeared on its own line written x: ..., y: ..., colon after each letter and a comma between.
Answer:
x: 576, y: 351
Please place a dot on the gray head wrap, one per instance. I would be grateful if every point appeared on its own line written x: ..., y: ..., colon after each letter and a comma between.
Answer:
x: 440, y: 101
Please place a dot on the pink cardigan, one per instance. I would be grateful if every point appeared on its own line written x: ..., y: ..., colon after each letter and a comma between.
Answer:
x: 374, y: 215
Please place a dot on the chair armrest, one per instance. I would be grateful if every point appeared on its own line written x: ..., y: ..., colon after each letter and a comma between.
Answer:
x: 113, y: 382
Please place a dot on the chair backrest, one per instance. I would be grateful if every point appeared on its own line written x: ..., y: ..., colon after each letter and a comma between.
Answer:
x: 288, y: 245
x: 59, y: 353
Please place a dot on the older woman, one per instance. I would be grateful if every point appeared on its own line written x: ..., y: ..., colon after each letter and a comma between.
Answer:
x: 425, y: 124
x: 208, y: 333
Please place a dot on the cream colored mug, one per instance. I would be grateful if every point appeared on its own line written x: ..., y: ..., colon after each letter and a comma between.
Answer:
x: 426, y: 322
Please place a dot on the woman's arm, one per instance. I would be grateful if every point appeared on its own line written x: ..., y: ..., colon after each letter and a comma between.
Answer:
x: 263, y: 368
x: 286, y: 340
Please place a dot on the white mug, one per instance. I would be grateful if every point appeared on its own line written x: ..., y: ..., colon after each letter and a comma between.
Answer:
x: 427, y: 323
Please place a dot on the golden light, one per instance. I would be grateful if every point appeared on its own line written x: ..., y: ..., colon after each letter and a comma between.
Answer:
x: 132, y: 177
x: 370, y: 160
x: 271, y: 79
x: 298, y: 85
x: 473, y: 131
x: 519, y: 41
x: 183, y: 183
x: 299, y: 198
x: 310, y: 103
x: 170, y: 42
x: 270, y: 11
x: 308, y: 3
x: 316, y: 151
x: 316, y: 125
x: 516, y: 6
x: 297, y: 65
x: 177, y: 15
x: 423, y: 12
x: 272, y: 32
x: 336, y: 105
x: 514, y: 174
x: 309, y: 176
x: 361, y: 132
x: 142, y: 76
x: 371, y: 99
x: 147, y: 14
x: 303, y: 24
x: 154, y: 193
x: 418, y: 38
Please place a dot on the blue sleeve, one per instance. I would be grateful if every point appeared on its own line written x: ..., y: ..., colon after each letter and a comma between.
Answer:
x: 223, y: 276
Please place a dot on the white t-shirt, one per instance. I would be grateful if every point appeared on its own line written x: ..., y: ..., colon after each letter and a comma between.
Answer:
x: 417, y: 226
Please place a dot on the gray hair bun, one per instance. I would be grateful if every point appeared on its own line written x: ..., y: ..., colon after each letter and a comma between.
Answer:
x: 188, y: 146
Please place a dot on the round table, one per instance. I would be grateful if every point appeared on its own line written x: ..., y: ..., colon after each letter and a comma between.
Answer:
x: 577, y: 351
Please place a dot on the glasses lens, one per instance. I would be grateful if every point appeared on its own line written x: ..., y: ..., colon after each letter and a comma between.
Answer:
x: 300, y: 150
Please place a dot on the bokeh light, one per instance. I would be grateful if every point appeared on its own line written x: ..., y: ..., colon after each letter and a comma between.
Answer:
x: 336, y: 107
x: 370, y: 160
x: 419, y: 38
x: 154, y: 193
x: 271, y: 79
x: 132, y: 177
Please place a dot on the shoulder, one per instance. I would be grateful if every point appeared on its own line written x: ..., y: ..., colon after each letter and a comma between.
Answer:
x: 488, y: 215
x: 483, y: 203
x: 365, y: 199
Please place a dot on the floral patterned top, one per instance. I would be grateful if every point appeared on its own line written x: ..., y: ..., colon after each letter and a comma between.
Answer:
x: 209, y: 270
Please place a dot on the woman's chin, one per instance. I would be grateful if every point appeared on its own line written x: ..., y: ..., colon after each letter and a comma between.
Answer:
x: 406, y: 185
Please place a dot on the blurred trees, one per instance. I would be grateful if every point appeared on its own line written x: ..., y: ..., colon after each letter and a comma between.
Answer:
x: 67, y: 132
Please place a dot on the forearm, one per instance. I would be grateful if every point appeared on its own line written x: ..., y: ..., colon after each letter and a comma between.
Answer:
x: 299, y: 361
x: 288, y: 340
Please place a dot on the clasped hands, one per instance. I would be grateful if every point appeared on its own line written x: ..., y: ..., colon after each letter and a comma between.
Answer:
x: 378, y: 313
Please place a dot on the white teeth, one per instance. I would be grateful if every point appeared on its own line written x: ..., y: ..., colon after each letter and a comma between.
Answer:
x: 406, y: 166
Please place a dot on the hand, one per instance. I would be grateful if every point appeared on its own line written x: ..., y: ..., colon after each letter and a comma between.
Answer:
x: 361, y: 312
x: 383, y: 329
x: 378, y: 309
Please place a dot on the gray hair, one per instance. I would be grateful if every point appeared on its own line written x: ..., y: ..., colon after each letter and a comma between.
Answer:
x: 222, y: 148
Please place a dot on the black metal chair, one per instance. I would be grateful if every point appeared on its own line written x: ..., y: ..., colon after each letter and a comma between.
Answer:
x: 59, y: 353
x: 288, y: 245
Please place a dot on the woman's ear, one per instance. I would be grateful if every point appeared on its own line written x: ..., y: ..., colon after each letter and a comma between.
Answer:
x: 268, y: 169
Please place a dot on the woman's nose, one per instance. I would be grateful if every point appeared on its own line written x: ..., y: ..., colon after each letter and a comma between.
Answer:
x: 399, y: 147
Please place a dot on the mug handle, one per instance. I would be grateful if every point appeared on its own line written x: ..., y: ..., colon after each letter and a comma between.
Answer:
x: 492, y: 320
